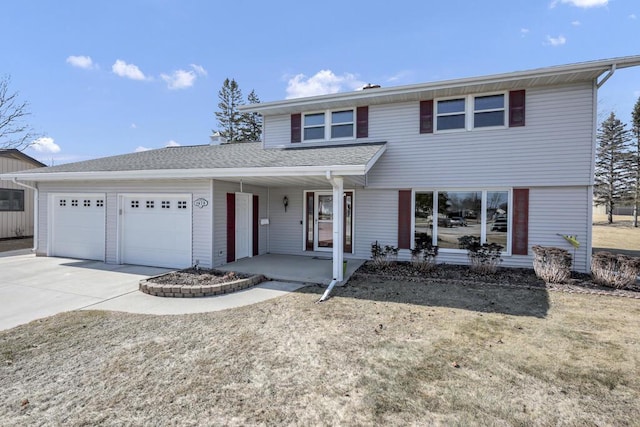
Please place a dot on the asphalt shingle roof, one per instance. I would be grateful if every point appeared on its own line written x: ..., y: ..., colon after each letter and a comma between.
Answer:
x: 242, y: 155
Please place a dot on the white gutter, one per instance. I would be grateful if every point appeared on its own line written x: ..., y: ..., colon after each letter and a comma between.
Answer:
x: 337, y: 184
x: 35, y: 211
x: 191, y: 173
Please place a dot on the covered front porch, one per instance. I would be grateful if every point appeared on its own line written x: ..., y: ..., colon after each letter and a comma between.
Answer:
x: 293, y: 268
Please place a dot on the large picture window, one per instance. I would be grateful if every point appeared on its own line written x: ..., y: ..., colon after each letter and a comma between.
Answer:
x: 11, y: 200
x: 442, y: 217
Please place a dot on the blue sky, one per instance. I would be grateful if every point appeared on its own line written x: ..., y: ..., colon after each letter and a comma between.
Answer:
x: 111, y: 77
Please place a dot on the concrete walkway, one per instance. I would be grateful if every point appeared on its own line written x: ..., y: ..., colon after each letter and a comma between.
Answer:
x: 35, y: 287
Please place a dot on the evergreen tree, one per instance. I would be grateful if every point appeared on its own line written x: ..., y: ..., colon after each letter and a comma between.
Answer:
x: 612, y: 164
x: 229, y: 118
x: 251, y: 127
x: 635, y: 161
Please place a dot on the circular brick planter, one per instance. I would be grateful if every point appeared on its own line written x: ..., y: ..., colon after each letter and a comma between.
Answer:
x: 177, y: 291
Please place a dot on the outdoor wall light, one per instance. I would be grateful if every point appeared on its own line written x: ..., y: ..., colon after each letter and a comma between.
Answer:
x: 285, y: 202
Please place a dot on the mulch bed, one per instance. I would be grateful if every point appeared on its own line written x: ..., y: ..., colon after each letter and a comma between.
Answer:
x: 508, y: 277
x: 199, y: 277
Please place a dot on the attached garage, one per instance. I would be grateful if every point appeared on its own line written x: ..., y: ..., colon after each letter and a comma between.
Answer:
x: 155, y: 229
x: 77, y: 226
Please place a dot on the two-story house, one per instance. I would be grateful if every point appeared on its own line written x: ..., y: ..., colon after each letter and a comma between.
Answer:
x: 507, y: 158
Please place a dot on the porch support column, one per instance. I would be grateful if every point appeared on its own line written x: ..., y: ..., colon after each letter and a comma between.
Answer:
x: 338, y: 225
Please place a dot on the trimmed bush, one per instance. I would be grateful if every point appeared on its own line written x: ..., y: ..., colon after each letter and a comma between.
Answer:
x: 484, y: 258
x: 614, y: 270
x: 423, y: 256
x: 382, y: 257
x: 551, y: 264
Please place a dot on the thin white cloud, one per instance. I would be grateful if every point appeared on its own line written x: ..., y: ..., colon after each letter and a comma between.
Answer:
x: 556, y: 41
x: 172, y: 143
x: 180, y: 79
x: 81, y: 62
x: 133, y: 126
x: 399, y: 76
x: 45, y: 145
x: 576, y: 23
x: 199, y: 69
x: 633, y: 16
x: 140, y: 149
x: 321, y: 83
x: 129, y: 71
x: 524, y: 31
x: 580, y: 3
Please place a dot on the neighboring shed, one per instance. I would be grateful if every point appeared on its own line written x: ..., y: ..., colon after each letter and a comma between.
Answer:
x: 16, y: 201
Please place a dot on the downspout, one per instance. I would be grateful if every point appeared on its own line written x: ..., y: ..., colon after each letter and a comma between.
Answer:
x: 612, y: 70
x: 35, y: 211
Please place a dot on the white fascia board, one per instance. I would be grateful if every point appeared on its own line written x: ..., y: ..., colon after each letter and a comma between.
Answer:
x: 345, y: 170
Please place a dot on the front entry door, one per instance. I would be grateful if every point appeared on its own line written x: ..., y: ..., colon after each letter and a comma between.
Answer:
x: 321, y: 204
x: 243, y: 225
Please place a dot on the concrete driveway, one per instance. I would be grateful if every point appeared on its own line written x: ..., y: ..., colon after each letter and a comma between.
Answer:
x: 35, y: 287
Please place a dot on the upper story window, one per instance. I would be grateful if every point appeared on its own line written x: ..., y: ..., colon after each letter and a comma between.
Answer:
x: 471, y: 112
x: 488, y: 111
x: 11, y: 200
x: 451, y: 114
x: 314, y: 126
x: 328, y: 125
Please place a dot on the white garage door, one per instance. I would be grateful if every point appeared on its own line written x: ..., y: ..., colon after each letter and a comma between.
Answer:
x: 78, y: 226
x: 156, y: 230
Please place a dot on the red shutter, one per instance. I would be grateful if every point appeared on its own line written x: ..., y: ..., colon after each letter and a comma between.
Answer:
x: 256, y: 224
x: 404, y: 219
x: 296, y: 127
x: 309, y: 221
x: 426, y: 116
x: 516, y: 108
x: 231, y: 227
x: 362, y: 122
x: 520, y: 233
x: 348, y: 222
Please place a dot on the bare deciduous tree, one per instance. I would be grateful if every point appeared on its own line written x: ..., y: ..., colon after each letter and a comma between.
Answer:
x: 14, y: 131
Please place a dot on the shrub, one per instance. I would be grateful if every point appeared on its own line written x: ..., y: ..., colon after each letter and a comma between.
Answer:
x: 551, y: 264
x: 384, y: 256
x: 484, y: 258
x: 423, y: 256
x: 614, y: 270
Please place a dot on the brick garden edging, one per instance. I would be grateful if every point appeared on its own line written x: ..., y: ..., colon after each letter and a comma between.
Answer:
x: 177, y: 291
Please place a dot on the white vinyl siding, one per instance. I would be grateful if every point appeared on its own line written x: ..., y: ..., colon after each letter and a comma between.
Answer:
x: 554, y: 148
x: 16, y: 221
x: 201, y: 218
x: 220, y: 190
x: 276, y: 131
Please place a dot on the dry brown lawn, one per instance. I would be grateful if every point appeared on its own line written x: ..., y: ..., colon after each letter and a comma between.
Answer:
x: 378, y: 353
x: 620, y: 236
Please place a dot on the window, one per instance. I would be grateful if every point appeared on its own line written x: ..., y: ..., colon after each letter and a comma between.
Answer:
x: 451, y: 114
x: 342, y: 124
x: 313, y: 126
x: 488, y: 111
x: 442, y: 217
x: 11, y: 200
x: 485, y: 111
x: 328, y: 125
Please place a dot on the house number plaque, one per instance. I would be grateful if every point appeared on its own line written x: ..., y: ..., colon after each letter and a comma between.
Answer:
x: 200, y: 203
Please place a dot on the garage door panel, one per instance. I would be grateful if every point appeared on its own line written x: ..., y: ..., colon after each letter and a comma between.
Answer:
x: 78, y: 226
x: 156, y: 230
